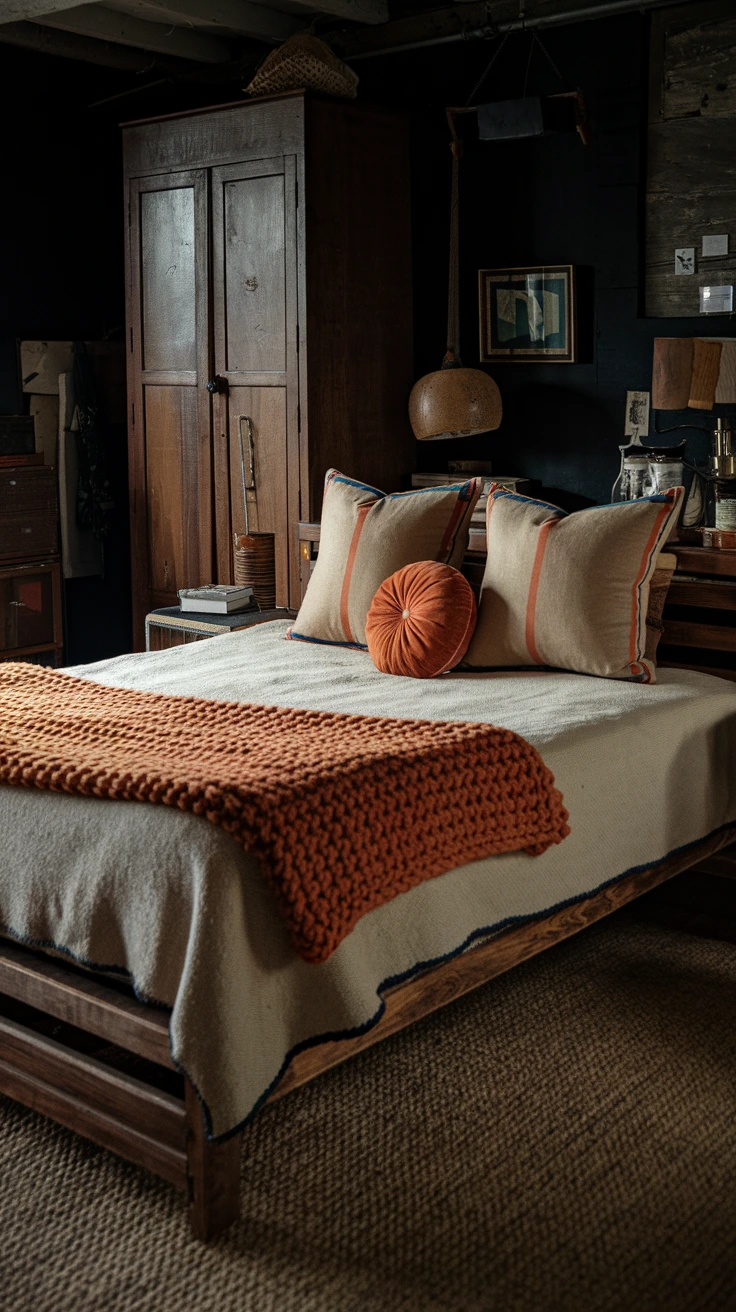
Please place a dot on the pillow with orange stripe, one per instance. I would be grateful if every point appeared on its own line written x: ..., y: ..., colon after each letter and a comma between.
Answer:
x: 570, y: 592
x: 366, y: 536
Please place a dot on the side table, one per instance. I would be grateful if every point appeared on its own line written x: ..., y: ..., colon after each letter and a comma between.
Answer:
x: 171, y: 627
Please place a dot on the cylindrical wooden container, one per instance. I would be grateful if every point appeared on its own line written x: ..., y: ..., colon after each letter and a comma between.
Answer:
x: 254, y: 560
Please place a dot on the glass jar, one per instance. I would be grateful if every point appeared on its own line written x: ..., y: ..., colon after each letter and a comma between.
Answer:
x: 663, y: 473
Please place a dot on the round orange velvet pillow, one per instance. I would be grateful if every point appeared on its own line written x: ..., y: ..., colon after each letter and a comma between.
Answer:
x: 421, y: 620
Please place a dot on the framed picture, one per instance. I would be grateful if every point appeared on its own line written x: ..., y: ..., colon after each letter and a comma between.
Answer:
x: 528, y: 314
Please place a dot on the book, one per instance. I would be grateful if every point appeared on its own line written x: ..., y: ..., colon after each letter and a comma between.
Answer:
x: 172, y: 617
x: 512, y: 482
x: 217, y: 599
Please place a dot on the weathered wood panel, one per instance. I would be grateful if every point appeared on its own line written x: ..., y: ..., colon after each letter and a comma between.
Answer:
x: 700, y: 71
x: 691, y: 165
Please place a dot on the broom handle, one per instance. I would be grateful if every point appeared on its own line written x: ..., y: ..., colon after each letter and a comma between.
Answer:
x: 251, y: 486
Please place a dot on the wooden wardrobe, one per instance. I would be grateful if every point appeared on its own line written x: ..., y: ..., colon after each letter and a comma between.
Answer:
x: 268, y: 277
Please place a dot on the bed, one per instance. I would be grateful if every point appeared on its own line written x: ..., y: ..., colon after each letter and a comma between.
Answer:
x: 149, y: 997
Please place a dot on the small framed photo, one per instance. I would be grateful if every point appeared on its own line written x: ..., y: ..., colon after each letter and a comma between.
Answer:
x: 528, y: 314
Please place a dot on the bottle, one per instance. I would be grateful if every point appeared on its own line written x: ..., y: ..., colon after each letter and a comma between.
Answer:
x: 722, y: 500
x: 724, y: 503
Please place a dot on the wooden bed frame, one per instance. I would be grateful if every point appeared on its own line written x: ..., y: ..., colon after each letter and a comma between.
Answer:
x: 82, y: 1050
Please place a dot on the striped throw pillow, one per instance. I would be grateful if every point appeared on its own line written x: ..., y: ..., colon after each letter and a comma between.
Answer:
x: 366, y: 536
x: 570, y: 592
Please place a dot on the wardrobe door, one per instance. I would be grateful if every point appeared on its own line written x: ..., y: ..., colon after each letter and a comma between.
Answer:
x: 170, y: 424
x: 254, y: 245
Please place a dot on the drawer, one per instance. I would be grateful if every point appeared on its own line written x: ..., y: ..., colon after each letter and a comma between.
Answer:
x: 28, y: 511
x: 30, y: 609
x: 28, y: 535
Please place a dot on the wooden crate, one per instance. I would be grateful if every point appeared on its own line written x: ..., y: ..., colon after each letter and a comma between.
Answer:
x: 700, y: 613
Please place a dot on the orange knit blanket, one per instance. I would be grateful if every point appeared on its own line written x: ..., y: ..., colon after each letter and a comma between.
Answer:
x: 344, y: 811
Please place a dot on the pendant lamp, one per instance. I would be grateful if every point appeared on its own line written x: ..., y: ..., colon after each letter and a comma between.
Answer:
x: 454, y: 401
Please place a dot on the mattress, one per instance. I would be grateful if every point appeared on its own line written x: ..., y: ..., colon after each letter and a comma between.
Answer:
x: 177, y: 904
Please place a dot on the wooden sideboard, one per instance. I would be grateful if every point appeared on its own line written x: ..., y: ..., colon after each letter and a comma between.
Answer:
x: 700, y: 612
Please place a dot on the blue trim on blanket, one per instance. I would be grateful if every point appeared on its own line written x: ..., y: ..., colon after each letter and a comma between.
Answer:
x: 324, y: 642
x: 47, y: 944
x: 334, y: 1036
x: 393, y: 980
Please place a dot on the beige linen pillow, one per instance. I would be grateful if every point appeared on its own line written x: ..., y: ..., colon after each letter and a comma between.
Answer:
x: 366, y: 536
x: 570, y: 591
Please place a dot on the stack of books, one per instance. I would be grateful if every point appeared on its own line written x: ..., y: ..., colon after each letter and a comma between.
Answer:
x: 217, y: 599
x: 477, y: 540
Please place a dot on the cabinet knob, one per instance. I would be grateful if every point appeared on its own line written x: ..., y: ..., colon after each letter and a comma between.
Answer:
x: 217, y: 384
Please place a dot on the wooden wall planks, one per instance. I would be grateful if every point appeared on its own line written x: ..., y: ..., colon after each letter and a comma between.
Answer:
x: 691, y: 171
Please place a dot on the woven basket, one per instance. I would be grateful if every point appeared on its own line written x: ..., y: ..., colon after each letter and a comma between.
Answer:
x: 304, y: 62
x: 254, y: 563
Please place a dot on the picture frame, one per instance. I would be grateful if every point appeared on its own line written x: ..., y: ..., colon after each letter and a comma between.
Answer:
x: 528, y: 315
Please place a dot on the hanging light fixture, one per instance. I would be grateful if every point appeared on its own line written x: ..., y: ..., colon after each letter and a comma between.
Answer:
x: 454, y: 401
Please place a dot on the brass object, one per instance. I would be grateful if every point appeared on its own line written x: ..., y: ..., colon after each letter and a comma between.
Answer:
x: 723, y: 456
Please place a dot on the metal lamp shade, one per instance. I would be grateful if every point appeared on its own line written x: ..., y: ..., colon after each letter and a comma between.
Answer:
x: 454, y: 403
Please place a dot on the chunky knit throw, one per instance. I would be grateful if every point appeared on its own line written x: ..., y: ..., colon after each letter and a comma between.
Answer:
x: 343, y: 811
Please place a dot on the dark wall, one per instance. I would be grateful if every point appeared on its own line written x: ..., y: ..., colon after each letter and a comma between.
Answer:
x: 61, y: 260
x: 525, y: 203
x: 61, y: 265
x: 546, y: 201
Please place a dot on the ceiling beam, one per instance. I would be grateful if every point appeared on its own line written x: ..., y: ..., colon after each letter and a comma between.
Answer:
x: 358, y: 11
x: 17, y: 10
x: 47, y: 41
x: 106, y: 25
x: 475, y: 21
x: 239, y: 16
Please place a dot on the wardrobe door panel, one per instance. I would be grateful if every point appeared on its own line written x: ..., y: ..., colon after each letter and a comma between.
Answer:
x: 266, y: 407
x: 171, y: 484
x: 254, y: 272
x: 170, y: 419
x: 168, y: 279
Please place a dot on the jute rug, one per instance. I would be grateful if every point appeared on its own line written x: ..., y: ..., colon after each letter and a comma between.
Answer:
x: 564, y: 1138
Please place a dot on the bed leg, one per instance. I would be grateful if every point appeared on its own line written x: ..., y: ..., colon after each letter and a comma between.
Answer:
x: 213, y: 1176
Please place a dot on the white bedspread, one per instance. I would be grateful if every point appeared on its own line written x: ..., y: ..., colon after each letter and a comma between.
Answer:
x: 644, y: 770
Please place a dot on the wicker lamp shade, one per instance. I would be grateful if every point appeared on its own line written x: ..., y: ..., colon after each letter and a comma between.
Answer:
x: 454, y: 403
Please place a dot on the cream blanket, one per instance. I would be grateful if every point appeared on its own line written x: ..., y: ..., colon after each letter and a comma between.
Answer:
x: 643, y: 770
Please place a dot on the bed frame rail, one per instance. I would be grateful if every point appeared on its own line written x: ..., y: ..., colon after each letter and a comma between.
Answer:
x: 82, y: 1050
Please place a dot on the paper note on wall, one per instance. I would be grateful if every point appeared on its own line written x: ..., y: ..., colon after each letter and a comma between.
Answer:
x: 41, y: 363
x: 45, y: 413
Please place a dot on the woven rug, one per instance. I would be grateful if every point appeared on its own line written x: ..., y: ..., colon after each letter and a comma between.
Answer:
x: 564, y: 1138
